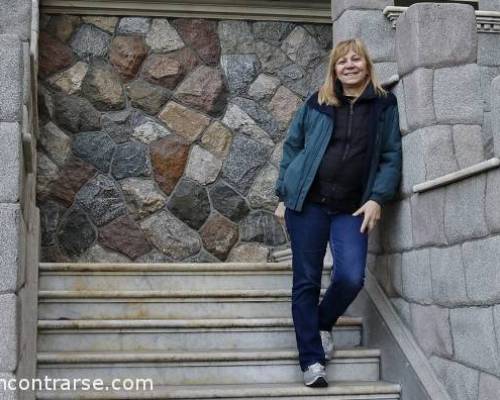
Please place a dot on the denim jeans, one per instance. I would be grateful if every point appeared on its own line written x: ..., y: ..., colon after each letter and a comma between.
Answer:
x: 309, y: 231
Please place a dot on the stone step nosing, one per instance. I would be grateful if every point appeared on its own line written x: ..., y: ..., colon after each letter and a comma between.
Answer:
x: 354, y: 355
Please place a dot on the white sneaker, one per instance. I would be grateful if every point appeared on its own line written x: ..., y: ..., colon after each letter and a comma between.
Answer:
x: 315, y: 376
x: 327, y: 343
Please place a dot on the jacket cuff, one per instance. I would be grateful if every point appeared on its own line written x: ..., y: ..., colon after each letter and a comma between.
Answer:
x: 377, y: 198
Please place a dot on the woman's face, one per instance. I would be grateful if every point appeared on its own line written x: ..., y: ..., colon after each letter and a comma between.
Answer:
x: 351, y: 70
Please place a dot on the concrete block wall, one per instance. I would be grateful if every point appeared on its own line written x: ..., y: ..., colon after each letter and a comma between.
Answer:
x: 19, y: 220
x: 437, y: 251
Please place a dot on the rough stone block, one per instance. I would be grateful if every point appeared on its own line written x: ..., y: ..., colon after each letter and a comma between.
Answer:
x: 418, y: 98
x: 468, y: 145
x: 11, y: 255
x: 427, y: 207
x: 15, y: 18
x: 431, y: 327
x: 448, y: 276
x: 488, y: 52
x: 487, y: 136
x: 395, y: 268
x: 489, y: 387
x: 435, y: 35
x: 481, y: 270
x: 474, y: 339
x: 396, y: 226
x: 403, y: 309
x: 416, y: 275
x: 374, y: 240
x: 487, y: 76
x: 495, y: 114
x: 464, y: 210
x: 8, y: 333
x: 385, y: 70
x: 461, y: 382
x: 339, y: 6
x: 11, y: 76
x: 403, y: 119
x: 457, y: 95
x: 12, y: 162
x: 372, y: 27
x: 490, y: 5
x: 496, y: 320
x: 492, y: 210
x: 437, y: 151
x: 413, y: 162
x: 381, y: 273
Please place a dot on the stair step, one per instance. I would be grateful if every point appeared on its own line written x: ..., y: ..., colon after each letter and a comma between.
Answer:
x: 378, y: 390
x: 198, y: 368
x: 167, y: 277
x: 193, y: 335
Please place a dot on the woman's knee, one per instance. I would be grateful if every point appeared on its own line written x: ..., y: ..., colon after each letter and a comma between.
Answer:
x: 352, y: 282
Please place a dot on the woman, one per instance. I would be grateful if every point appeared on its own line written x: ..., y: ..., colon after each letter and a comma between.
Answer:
x: 341, y: 163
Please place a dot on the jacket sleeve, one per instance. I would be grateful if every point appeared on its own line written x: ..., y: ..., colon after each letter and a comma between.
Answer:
x: 389, y: 169
x: 292, y: 146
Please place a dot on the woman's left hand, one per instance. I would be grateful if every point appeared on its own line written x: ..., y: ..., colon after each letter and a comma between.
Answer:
x: 371, y: 210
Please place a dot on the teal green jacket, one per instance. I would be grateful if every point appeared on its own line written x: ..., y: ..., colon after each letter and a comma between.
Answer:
x: 309, y: 135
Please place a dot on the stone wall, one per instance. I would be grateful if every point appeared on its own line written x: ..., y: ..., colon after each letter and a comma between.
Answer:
x: 19, y: 241
x: 436, y: 252
x: 160, y: 138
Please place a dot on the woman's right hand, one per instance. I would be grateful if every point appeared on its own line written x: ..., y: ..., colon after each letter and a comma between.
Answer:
x: 280, y: 212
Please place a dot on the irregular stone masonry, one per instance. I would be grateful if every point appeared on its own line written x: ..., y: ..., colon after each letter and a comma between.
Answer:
x: 175, y: 126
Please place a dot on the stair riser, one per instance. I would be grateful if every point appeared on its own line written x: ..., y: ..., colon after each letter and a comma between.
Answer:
x: 244, y: 372
x: 208, y: 281
x: 188, y: 340
x: 347, y: 397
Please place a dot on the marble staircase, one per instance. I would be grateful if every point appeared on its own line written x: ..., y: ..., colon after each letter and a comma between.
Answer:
x: 198, y: 331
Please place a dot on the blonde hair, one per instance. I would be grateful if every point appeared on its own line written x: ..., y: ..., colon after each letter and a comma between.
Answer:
x: 326, y: 92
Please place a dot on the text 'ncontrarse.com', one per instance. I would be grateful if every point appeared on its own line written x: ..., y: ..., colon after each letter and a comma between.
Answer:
x: 84, y: 384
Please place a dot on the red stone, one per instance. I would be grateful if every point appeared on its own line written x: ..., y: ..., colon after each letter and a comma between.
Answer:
x: 202, y: 36
x: 168, y: 157
x: 126, y: 55
x: 219, y: 235
x: 53, y: 56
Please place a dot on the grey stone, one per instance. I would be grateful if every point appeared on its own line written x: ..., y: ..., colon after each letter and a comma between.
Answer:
x: 448, y: 276
x: 399, y: 92
x: 142, y: 196
x: 481, y: 270
x: 457, y: 96
x: 277, y: 155
x: 245, y: 158
x: 323, y: 34
x: 396, y: 226
x: 11, y: 76
x: 295, y: 78
x: 189, y: 202
x: 417, y: 286
x: 468, y: 144
x: 488, y: 52
x: 51, y: 213
x: 489, y: 385
x: 395, y: 272
x: 45, y: 104
x: 150, y: 131
x: 174, y: 238
x: 240, y: 122
x: 9, y: 334
x: 431, y: 327
x: 162, y: 37
x: 154, y: 256
x: 263, y: 88
x: 492, y: 210
x: 117, y: 125
x: 228, y: 202
x: 372, y: 27
x: 490, y: 5
x: 96, y: 148
x: 76, y: 233
x: 15, y: 18
x: 202, y: 166
x: 339, y: 6
x: 90, y: 41
x: 101, y: 199
x: 103, y: 87
x: 460, y: 382
x: 11, y: 167
x: 425, y: 207
x: 75, y: 113
x: 248, y: 252
x: 11, y: 242
x: 317, y: 75
x: 272, y: 59
x: 487, y: 76
x: 261, y: 194
x: 263, y: 227
x: 403, y: 309
x: 240, y: 70
x: 70, y: 80
x: 202, y: 257
x: 464, y: 210
x: 146, y: 96
x: 99, y: 254
x: 437, y: 150
x: 385, y: 70
x: 134, y: 25
x: 131, y: 159
x: 435, y: 35
x: 374, y: 241
x: 487, y: 136
x: 413, y: 163
x: 380, y: 270
x: 495, y: 113
x: 301, y: 47
x: 47, y: 173
x: 272, y: 32
x: 474, y: 338
x: 418, y: 98
x: 261, y: 116
x: 236, y: 37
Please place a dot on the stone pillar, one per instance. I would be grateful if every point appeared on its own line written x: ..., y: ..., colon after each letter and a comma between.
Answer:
x: 489, y: 5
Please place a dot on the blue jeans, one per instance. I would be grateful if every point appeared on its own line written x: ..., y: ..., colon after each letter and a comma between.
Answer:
x: 309, y: 231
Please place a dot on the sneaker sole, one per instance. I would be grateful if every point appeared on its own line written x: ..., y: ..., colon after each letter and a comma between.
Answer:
x: 319, y: 382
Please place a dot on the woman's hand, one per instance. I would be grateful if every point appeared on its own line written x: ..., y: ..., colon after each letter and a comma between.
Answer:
x: 280, y: 212
x: 371, y: 210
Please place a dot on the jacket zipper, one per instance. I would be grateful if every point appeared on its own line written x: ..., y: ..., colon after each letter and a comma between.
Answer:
x: 349, y: 130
